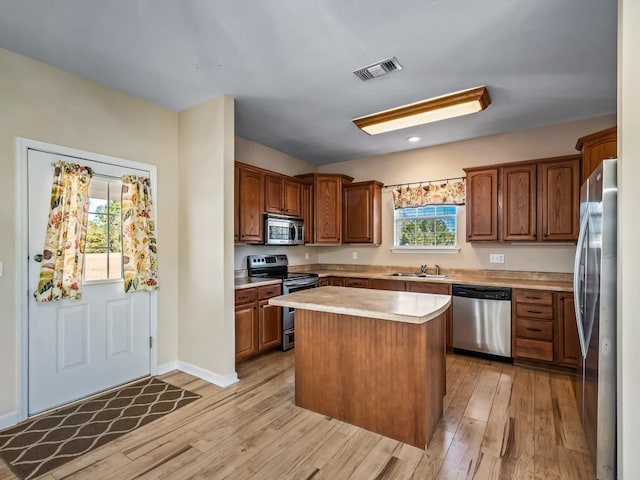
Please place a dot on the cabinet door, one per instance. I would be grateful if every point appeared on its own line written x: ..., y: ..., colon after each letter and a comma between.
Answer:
x: 337, y: 281
x: 328, y: 209
x: 246, y: 331
x: 558, y: 201
x: 519, y: 202
x: 324, y: 282
x: 273, y: 194
x: 269, y: 326
x: 567, y: 343
x: 597, y: 147
x: 482, y: 205
x: 251, y: 205
x: 307, y: 212
x: 292, y: 205
x: 362, y: 221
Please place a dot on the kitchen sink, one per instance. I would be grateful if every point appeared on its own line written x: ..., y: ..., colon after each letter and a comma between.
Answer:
x: 417, y: 275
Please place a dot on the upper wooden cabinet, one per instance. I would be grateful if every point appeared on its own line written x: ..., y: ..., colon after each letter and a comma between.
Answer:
x: 519, y: 202
x: 273, y: 193
x: 236, y: 203
x: 282, y: 195
x: 327, y: 206
x: 482, y: 204
x: 292, y: 204
x: 596, y: 147
x: 559, y: 199
x: 362, y: 222
x: 536, y: 200
x: 250, y: 196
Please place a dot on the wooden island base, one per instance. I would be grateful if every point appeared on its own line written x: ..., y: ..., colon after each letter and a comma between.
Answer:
x: 385, y: 376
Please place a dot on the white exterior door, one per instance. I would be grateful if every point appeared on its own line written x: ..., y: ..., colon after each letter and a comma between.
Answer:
x: 80, y: 347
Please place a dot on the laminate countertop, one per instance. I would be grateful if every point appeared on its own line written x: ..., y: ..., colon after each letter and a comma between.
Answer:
x: 248, y: 282
x: 407, y: 307
x: 527, y: 280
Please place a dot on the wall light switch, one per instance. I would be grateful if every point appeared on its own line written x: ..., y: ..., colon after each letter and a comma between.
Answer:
x: 496, y: 258
x: 354, y: 255
x: 1, y: 269
x: 306, y: 255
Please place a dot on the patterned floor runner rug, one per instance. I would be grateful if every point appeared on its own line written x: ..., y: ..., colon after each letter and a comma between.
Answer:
x: 44, y: 443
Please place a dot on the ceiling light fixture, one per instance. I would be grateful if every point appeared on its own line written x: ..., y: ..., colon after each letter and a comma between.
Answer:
x: 413, y: 139
x: 426, y: 111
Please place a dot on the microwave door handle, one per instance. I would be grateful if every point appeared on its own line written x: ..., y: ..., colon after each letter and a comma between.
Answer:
x: 292, y: 228
x: 577, y: 297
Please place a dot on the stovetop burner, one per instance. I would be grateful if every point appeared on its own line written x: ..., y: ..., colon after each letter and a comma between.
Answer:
x: 274, y: 266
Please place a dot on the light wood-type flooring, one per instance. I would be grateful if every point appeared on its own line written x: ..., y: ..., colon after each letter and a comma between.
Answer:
x: 500, y: 422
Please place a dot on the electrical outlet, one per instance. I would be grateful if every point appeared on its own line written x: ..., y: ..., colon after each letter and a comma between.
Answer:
x: 306, y: 255
x: 496, y: 258
x: 354, y: 255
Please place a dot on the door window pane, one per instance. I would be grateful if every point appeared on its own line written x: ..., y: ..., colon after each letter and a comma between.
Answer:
x: 103, y: 250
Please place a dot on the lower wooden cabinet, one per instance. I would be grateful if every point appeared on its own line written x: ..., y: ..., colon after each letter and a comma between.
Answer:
x: 269, y: 326
x: 568, y: 345
x: 246, y: 331
x: 323, y: 282
x: 384, y: 284
x: 336, y: 281
x: 544, y: 328
x: 258, y: 324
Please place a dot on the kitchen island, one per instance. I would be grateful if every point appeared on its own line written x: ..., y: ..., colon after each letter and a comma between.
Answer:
x: 372, y: 358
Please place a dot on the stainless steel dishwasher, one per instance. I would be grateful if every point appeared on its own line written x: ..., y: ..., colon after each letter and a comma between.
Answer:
x: 482, y: 319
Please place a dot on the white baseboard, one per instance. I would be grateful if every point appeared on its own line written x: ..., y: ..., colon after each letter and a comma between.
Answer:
x: 167, y: 367
x: 8, y: 420
x: 211, y: 377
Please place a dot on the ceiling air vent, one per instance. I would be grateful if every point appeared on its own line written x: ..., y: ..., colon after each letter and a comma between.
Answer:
x: 378, y: 69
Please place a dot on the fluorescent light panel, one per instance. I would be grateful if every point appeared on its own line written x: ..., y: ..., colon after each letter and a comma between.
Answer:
x: 426, y: 111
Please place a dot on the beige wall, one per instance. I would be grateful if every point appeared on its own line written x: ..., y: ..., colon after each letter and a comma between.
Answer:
x: 258, y: 155
x: 206, y: 237
x: 46, y: 104
x: 629, y: 228
x: 445, y: 161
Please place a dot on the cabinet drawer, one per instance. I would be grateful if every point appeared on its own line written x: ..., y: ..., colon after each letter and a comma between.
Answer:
x: 534, y: 329
x: 534, y: 296
x: 534, y: 349
x: 356, y: 282
x: 534, y: 311
x: 323, y: 282
x: 246, y: 295
x: 384, y: 284
x: 269, y: 291
x: 429, y: 287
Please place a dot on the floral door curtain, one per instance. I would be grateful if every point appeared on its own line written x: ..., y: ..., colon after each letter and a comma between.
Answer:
x: 450, y: 192
x: 63, y: 254
x: 139, y: 250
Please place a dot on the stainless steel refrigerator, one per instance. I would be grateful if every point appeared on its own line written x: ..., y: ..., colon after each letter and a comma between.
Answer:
x: 595, y: 288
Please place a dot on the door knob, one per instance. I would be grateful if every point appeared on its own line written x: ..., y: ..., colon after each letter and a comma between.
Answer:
x: 38, y: 257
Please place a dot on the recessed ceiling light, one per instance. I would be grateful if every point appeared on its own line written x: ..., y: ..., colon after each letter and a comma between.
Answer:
x: 413, y: 139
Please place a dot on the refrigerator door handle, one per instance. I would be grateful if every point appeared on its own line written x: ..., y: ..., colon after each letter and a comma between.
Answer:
x: 576, y: 280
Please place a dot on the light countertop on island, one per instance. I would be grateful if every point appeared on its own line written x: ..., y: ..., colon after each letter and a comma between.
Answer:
x: 407, y: 307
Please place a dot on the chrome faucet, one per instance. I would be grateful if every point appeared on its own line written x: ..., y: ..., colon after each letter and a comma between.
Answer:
x: 437, y: 267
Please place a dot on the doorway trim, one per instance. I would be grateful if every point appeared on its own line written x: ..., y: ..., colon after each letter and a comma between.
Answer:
x: 23, y: 145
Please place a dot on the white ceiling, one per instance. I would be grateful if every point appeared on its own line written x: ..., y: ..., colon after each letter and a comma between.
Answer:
x: 288, y: 63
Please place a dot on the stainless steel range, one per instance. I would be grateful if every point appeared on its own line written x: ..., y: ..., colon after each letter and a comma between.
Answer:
x: 277, y: 266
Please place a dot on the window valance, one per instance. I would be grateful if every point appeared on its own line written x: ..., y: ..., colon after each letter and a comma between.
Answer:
x: 446, y: 192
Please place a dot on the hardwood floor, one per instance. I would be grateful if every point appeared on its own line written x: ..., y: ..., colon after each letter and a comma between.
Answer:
x: 500, y: 422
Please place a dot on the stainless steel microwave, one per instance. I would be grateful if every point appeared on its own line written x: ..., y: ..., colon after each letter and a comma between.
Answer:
x: 282, y: 230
